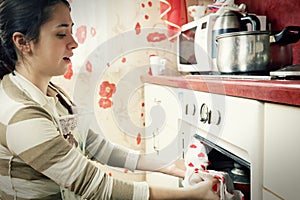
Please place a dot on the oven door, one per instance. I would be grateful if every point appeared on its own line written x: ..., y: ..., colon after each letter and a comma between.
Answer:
x: 233, y: 126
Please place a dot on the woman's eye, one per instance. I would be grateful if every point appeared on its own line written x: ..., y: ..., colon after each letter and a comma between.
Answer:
x: 61, y: 35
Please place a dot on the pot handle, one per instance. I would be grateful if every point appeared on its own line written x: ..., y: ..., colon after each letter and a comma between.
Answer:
x: 253, y: 20
x: 290, y: 34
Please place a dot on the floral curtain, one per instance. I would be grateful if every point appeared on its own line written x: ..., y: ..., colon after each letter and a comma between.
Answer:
x: 116, y: 39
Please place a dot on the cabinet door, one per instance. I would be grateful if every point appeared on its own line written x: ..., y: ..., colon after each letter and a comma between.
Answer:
x: 162, y: 111
x: 269, y: 196
x: 282, y: 150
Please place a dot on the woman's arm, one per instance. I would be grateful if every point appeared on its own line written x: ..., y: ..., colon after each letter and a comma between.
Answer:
x: 107, y: 153
x: 113, y: 155
x: 154, y: 163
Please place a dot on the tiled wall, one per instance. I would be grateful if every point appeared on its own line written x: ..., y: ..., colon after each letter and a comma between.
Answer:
x: 280, y: 14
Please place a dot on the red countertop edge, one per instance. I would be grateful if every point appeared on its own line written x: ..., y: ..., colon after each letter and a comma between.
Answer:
x: 276, y: 91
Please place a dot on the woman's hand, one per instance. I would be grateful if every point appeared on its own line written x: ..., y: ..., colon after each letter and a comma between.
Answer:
x: 175, y: 169
x: 204, y: 190
x: 209, y: 189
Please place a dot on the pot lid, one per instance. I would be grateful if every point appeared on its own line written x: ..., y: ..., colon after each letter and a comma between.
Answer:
x: 240, y: 33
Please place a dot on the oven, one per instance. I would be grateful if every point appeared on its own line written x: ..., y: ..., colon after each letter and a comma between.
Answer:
x: 232, y: 129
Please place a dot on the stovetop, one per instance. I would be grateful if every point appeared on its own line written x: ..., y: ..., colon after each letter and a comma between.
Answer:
x: 291, y: 72
x: 228, y: 76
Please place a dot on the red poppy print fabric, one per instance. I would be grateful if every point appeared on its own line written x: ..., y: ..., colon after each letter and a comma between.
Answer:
x: 156, y: 37
x: 69, y: 73
x: 196, y: 162
x: 138, y: 139
x: 138, y: 28
x: 81, y: 34
x: 106, y: 91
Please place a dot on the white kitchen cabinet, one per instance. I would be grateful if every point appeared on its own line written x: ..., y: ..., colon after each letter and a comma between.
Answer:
x: 267, y: 195
x: 282, y: 151
x: 161, y: 129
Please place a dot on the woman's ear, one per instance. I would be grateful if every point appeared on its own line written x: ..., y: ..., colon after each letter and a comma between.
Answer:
x: 20, y: 42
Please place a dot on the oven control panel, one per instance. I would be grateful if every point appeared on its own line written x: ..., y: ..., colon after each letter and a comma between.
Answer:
x: 230, y: 121
x: 201, y: 109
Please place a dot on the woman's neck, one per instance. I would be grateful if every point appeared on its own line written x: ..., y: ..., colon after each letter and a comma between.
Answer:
x: 37, y: 79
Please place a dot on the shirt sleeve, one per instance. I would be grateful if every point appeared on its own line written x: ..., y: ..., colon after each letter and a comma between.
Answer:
x: 108, y: 153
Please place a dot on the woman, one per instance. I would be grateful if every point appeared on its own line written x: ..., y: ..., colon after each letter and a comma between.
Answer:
x: 42, y: 153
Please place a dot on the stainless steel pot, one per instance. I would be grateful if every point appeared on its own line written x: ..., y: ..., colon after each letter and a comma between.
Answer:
x: 241, y: 180
x: 253, y: 51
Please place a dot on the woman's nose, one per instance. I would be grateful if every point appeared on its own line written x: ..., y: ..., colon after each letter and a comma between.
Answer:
x: 73, y: 44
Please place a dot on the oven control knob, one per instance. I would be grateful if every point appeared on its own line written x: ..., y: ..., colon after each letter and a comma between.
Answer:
x: 190, y: 109
x: 215, y: 117
x: 204, y: 113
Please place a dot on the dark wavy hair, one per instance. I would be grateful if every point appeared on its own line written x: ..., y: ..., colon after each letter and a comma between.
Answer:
x: 26, y: 17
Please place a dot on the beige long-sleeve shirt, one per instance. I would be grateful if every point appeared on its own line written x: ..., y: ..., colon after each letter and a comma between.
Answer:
x: 36, y: 159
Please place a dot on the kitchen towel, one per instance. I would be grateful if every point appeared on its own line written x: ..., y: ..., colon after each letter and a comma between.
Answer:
x: 196, y: 162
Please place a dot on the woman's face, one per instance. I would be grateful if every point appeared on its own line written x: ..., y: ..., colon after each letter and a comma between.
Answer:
x: 51, y: 53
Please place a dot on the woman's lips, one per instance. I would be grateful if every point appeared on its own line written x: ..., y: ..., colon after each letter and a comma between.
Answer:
x: 66, y: 59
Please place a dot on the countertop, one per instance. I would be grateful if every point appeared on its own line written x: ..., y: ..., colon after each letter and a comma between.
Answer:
x: 276, y: 91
